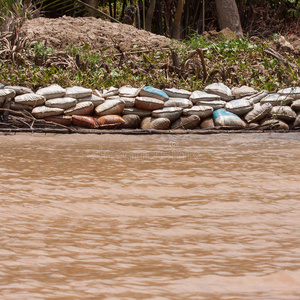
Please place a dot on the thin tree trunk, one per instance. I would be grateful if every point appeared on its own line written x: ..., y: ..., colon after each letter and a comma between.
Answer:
x: 228, y: 15
x: 149, y: 16
x: 177, y: 20
x: 93, y: 3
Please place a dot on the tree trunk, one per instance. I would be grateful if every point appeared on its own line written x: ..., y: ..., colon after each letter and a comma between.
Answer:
x: 177, y: 20
x: 149, y: 16
x: 228, y: 16
x: 93, y: 3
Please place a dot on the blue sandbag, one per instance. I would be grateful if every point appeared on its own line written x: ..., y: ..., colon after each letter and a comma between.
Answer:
x: 226, y: 119
x: 149, y: 91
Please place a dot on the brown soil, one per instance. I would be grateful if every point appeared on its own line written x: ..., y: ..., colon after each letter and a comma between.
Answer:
x: 98, y: 34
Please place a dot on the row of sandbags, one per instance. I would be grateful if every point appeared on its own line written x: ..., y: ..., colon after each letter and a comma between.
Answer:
x: 152, y: 108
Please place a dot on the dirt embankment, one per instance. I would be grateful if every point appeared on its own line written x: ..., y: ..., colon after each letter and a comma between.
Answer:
x: 98, y: 34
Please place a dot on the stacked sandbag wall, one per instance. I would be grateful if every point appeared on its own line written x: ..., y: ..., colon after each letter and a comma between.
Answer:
x: 217, y: 106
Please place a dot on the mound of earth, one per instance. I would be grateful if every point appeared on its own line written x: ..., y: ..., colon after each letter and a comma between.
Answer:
x: 98, y: 34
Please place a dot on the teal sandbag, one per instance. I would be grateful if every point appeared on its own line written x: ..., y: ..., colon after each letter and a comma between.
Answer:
x: 149, y: 91
x: 227, y: 120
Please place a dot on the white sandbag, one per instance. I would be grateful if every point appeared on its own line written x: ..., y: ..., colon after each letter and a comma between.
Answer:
x: 293, y: 92
x: 239, y: 107
x: 147, y: 103
x: 129, y: 102
x: 93, y: 98
x: 136, y: 111
x: 110, y: 107
x: 44, y: 111
x: 258, y: 112
x: 81, y: 109
x: 149, y: 91
x: 284, y: 113
x: 78, y: 92
x: 30, y: 99
x: 296, y: 105
x: 257, y: 97
x: 201, y: 111
x: 112, y: 91
x: 215, y: 104
x: 155, y: 123
x: 227, y: 120
x: 20, y: 90
x: 199, y: 96
x: 177, y: 93
x: 276, y: 99
x: 171, y: 113
x: 52, y: 91
x: 188, y: 122
x: 64, y: 103
x: 243, y: 91
x: 179, y: 102
x: 128, y: 91
x: 6, y: 93
x: 220, y: 89
x: 115, y: 97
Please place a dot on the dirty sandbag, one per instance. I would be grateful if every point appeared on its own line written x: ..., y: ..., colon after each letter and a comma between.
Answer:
x: 136, y: 111
x: 199, y: 110
x: 84, y: 121
x: 147, y: 103
x: 215, y: 104
x: 220, y: 89
x: 30, y: 99
x: 296, y: 105
x: 273, y: 124
x: 131, y: 121
x: 239, y: 107
x: 129, y: 102
x: 177, y: 93
x: 52, y: 91
x: 188, y: 122
x: 155, y: 123
x: 203, y: 96
x: 258, y: 112
x: 82, y: 109
x: 179, y: 102
x: 171, y: 113
x: 227, y: 120
x: 20, y: 90
x: 128, y: 91
x: 243, y: 91
x: 277, y: 99
x: 110, y: 107
x: 149, y: 91
x: 293, y: 92
x: 112, y: 91
x: 92, y: 98
x: 78, y: 92
x: 64, y: 103
x: 41, y: 112
x: 62, y: 120
x: 284, y: 113
x: 207, y: 123
x: 114, y: 120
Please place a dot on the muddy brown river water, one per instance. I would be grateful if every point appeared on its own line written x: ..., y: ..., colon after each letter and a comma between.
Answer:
x: 150, y: 217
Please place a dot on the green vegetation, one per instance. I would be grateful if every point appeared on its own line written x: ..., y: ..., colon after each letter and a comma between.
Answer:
x: 234, y: 62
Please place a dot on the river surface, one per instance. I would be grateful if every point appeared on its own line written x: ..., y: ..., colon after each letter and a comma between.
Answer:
x: 150, y: 217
